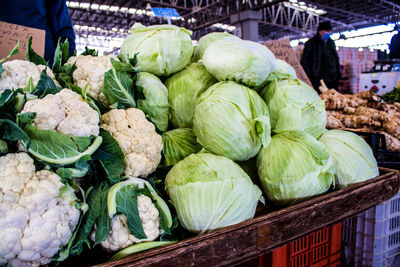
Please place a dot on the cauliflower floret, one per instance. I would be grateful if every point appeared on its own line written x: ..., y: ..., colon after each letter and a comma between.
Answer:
x: 137, y: 138
x: 119, y: 236
x: 35, y: 222
x: 17, y: 73
x: 90, y: 71
x: 65, y: 112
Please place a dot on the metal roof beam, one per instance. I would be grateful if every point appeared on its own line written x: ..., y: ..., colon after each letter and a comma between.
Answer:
x: 326, y: 7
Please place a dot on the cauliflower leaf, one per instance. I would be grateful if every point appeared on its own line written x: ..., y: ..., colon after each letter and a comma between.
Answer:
x: 53, y: 147
x: 32, y: 56
x: 110, y: 157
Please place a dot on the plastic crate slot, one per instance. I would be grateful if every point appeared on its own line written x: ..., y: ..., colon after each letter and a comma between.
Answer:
x: 394, y: 223
x: 319, y: 238
x: 321, y: 248
x: 319, y: 253
x: 299, y: 261
x: 298, y: 246
x: 394, y: 239
x: 395, y: 205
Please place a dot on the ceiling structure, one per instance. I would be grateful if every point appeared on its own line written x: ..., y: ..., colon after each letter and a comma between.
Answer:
x: 291, y: 18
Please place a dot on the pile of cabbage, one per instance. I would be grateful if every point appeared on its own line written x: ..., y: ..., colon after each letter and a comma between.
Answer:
x: 233, y: 99
x: 233, y: 119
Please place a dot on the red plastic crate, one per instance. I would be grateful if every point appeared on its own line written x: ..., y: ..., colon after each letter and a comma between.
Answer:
x: 321, y: 248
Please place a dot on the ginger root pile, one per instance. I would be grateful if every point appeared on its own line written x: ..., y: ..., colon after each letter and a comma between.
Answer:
x: 362, y: 111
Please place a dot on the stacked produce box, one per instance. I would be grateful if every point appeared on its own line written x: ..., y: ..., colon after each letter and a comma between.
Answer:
x: 353, y: 62
x: 93, y: 145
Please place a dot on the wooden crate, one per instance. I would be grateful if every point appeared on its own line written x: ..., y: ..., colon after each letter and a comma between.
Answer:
x: 270, y: 228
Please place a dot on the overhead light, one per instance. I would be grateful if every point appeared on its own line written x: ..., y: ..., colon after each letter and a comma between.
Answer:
x: 113, y: 8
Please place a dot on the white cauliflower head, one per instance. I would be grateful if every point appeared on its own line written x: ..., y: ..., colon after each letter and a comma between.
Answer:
x: 35, y: 222
x: 137, y: 138
x: 18, y: 72
x: 90, y: 71
x: 65, y: 112
x: 119, y: 236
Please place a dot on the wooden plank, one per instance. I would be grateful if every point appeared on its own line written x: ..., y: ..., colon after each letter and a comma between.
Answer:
x: 269, y: 230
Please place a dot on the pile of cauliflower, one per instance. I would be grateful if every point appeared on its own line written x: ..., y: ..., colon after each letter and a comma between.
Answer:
x: 38, y: 212
x: 36, y: 218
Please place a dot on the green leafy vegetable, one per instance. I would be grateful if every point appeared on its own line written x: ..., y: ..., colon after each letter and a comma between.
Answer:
x: 110, y: 157
x: 210, y: 192
x: 352, y: 157
x: 90, y: 52
x: 97, y: 215
x: 13, y: 52
x: 118, y: 88
x: 246, y: 62
x: 9, y: 130
x: 61, y: 55
x: 392, y: 96
x: 231, y: 120
x: 207, y: 40
x: 140, y: 247
x: 282, y: 71
x: 184, y: 88
x: 294, y: 167
x: 32, y: 56
x: 161, y: 49
x: 45, y: 86
x: 178, y: 144
x: 152, y: 99
x: 294, y: 105
x: 3, y: 147
x: 126, y: 203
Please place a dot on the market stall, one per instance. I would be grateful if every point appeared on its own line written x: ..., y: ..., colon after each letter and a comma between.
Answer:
x: 170, y: 152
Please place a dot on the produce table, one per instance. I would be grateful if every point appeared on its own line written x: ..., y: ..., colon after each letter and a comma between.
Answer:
x: 270, y: 228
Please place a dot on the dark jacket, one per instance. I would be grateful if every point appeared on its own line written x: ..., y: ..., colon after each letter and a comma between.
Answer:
x: 395, y: 46
x: 311, y: 59
x: 49, y: 15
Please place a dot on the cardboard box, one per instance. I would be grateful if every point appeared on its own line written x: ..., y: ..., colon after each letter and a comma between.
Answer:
x: 11, y: 33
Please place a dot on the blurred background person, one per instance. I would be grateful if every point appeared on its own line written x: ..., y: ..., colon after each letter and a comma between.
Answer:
x: 320, y: 59
x: 49, y: 15
x: 395, y: 44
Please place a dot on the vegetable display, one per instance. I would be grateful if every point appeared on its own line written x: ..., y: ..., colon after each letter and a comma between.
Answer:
x: 135, y: 151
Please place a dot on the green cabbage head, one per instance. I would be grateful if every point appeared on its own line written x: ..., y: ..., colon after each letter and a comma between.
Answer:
x: 183, y: 89
x: 246, y: 62
x: 210, y: 192
x: 282, y: 71
x: 231, y: 120
x: 294, y: 105
x: 154, y: 99
x: 294, y: 167
x: 353, y: 158
x: 178, y: 144
x: 208, y: 39
x: 162, y: 49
